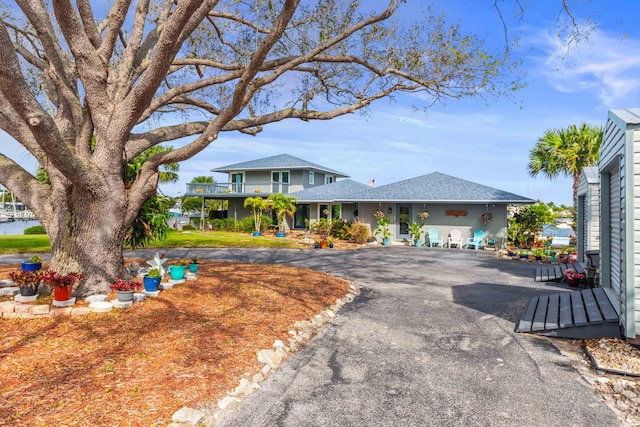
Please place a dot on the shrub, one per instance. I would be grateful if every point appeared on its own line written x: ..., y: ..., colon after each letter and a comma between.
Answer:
x: 224, y: 224
x: 189, y: 227
x: 359, y: 232
x: 340, y: 229
x: 247, y: 225
x: 36, y: 229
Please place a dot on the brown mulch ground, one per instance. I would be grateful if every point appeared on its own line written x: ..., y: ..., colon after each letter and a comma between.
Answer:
x: 137, y: 366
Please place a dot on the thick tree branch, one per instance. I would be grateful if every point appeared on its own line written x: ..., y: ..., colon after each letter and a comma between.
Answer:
x: 29, y: 190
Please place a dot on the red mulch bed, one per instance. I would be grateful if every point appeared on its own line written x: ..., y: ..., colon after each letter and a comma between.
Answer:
x: 137, y: 366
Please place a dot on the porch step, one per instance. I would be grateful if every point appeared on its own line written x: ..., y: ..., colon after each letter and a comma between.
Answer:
x: 555, y: 273
x: 582, y: 314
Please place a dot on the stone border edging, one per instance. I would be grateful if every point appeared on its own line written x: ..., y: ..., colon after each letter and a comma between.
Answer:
x: 301, y: 333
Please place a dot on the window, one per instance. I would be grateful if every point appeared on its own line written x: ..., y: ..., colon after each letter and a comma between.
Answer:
x: 328, y: 179
x: 237, y: 182
x: 335, y: 211
x: 280, y: 182
x: 324, y: 211
x: 311, y: 178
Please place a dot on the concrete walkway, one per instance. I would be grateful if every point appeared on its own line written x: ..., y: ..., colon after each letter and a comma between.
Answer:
x: 429, y: 342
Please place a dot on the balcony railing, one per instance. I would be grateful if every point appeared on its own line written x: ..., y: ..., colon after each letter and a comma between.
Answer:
x: 237, y: 188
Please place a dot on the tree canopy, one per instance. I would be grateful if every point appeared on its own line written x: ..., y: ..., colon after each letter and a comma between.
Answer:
x: 85, y: 92
x: 566, y: 152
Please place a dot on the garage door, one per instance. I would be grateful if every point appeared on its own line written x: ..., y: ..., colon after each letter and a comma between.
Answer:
x: 616, y: 233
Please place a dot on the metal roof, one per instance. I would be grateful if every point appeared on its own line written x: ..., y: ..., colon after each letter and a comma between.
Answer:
x: 590, y: 174
x: 282, y: 161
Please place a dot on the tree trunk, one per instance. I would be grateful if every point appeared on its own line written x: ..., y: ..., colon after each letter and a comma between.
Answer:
x: 576, y: 183
x: 87, y: 235
x: 202, y: 216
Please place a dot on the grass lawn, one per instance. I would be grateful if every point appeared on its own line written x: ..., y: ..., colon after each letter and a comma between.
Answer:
x: 39, y: 243
x: 137, y: 366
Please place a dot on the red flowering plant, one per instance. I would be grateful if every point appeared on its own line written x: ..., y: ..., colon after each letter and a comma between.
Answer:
x: 59, y: 280
x: 571, y: 275
x: 28, y: 279
x: 122, y: 285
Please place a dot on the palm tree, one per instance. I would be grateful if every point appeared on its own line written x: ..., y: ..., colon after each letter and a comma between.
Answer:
x: 202, y: 180
x: 283, y: 206
x: 257, y: 205
x: 566, y: 151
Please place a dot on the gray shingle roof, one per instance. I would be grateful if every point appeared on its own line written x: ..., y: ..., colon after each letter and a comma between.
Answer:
x: 346, y: 189
x: 282, y: 161
x: 439, y: 187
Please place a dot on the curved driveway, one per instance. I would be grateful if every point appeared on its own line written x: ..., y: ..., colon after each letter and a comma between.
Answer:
x: 429, y: 342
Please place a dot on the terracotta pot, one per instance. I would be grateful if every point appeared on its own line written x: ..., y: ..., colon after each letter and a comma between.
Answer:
x: 62, y: 293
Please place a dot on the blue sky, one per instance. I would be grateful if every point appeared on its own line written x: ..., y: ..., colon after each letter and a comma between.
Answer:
x: 484, y: 142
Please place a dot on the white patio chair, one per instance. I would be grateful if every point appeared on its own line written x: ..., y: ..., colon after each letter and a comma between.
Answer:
x: 455, y: 238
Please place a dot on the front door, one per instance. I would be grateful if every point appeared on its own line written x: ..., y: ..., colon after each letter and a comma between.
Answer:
x: 403, y: 217
x: 302, y: 213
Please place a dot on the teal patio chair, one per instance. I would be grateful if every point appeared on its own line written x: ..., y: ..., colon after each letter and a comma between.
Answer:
x: 434, y: 239
x: 477, y: 241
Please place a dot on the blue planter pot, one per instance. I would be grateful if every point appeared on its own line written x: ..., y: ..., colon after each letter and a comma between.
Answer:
x: 193, y: 268
x: 257, y: 233
x: 177, y: 271
x: 386, y: 241
x: 151, y: 283
x: 31, y: 266
x: 417, y: 243
x: 281, y: 234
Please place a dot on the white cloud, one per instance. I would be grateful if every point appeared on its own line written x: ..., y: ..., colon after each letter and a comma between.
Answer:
x: 605, y: 65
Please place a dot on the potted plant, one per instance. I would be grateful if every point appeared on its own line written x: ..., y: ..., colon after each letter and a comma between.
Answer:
x: 382, y: 229
x: 573, y: 278
x: 283, y: 206
x: 151, y: 280
x: 177, y: 271
x: 415, y: 230
x: 33, y: 264
x: 28, y: 281
x: 125, y: 289
x: 194, y: 263
x: 62, y: 284
x: 257, y: 205
x: 330, y: 242
x: 322, y: 227
x: 538, y: 253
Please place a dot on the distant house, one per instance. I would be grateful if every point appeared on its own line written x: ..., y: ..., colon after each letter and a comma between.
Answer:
x: 588, y: 223
x: 262, y: 177
x: 452, y: 203
x: 618, y: 167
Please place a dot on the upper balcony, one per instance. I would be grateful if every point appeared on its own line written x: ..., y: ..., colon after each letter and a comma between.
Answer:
x: 221, y: 188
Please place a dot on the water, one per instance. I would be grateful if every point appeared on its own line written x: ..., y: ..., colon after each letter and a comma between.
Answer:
x: 16, y: 227
x: 560, y: 235
x: 557, y: 232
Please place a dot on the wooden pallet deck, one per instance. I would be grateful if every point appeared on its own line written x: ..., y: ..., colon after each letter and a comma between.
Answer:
x: 555, y: 272
x: 581, y: 314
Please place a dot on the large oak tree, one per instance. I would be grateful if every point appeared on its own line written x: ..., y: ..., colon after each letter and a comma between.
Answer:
x: 150, y: 72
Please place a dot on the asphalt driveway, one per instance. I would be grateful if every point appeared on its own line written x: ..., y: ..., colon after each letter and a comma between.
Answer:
x: 429, y: 342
